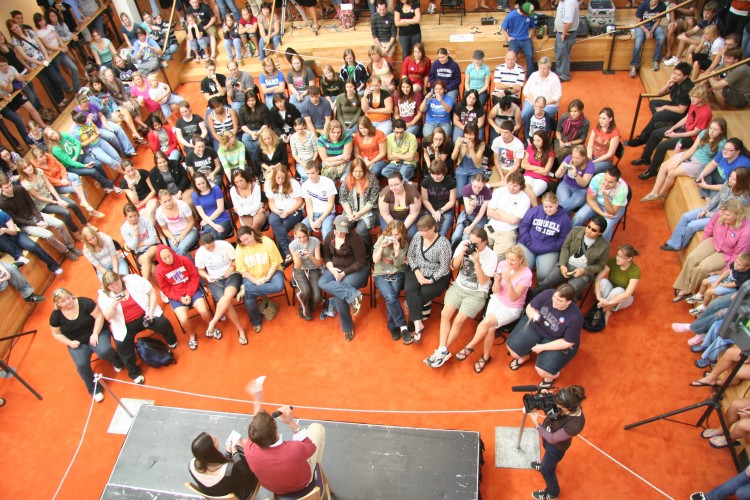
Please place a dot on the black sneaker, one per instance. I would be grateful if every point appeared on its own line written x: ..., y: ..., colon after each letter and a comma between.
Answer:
x: 34, y: 297
x: 667, y: 248
x: 542, y: 495
x: 407, y: 337
x: 348, y: 335
x: 647, y: 175
x: 640, y: 161
x: 536, y: 465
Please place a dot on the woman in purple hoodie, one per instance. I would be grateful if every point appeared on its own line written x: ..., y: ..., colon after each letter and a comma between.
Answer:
x: 542, y: 232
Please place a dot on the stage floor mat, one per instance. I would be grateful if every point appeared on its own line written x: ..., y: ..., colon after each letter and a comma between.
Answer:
x: 361, y: 461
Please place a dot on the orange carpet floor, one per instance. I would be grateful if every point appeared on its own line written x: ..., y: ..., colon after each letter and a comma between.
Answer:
x: 635, y: 369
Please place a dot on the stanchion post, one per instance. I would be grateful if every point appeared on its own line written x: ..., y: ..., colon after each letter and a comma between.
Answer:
x: 98, y: 379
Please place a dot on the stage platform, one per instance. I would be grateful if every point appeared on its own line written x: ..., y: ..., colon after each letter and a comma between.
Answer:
x: 361, y: 461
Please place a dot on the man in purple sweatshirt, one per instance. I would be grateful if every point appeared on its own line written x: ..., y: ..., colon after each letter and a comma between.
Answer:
x: 446, y: 69
x: 542, y: 232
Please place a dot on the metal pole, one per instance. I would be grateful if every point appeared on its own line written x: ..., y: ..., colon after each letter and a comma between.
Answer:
x: 521, y: 429
x: 98, y: 380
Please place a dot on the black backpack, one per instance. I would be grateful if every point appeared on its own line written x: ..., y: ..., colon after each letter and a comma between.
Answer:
x: 594, y: 320
x: 154, y: 352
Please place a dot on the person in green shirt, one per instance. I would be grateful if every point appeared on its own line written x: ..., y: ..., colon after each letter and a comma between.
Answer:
x: 616, y: 283
x: 68, y: 151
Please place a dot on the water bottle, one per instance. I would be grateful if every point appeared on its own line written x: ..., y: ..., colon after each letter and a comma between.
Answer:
x: 540, y: 31
x: 678, y: 147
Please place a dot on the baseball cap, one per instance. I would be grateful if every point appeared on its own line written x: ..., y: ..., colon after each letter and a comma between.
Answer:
x: 341, y: 223
x: 527, y: 8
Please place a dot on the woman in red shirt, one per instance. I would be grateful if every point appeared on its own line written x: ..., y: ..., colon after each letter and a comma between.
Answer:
x: 416, y: 67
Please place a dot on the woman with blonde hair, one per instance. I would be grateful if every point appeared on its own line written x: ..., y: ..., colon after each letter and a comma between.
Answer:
x: 78, y: 323
x: 389, y: 274
x: 231, y: 152
x: 725, y: 237
x: 379, y: 65
x: 511, y: 284
x: 335, y: 150
x: 358, y: 196
x: 377, y: 104
x: 100, y: 251
x: 271, y: 151
x: 285, y: 203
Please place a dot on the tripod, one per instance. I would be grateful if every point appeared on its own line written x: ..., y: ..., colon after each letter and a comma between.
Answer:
x: 300, y: 10
x: 735, y: 328
x: 7, y: 369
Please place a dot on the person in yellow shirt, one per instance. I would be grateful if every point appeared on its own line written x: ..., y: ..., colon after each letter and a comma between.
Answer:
x: 259, y: 262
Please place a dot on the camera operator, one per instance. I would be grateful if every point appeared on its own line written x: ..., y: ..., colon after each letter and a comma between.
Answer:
x: 557, y: 434
x: 283, y: 466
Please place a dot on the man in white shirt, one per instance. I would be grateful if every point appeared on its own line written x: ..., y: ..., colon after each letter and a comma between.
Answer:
x: 476, y: 263
x: 508, y: 152
x: 506, y: 209
x: 319, y: 194
x: 509, y: 79
x: 215, y: 263
x: 566, y: 25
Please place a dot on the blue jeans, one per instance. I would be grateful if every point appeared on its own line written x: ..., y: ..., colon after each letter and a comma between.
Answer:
x: 188, y: 242
x: 464, y: 175
x: 275, y: 41
x: 462, y: 223
x: 640, y: 38
x: 11, y: 115
x: 544, y: 263
x: 82, y: 358
x: 445, y: 224
x: 406, y: 170
x: 562, y: 55
x: 252, y: 145
x: 746, y: 44
x: 527, y: 47
x: 281, y: 228
x: 13, y: 244
x: 429, y: 127
x: 708, y: 317
x: 377, y: 167
x: 569, y: 198
x: 386, y: 126
x: 407, y: 43
x: 552, y: 457
x: 344, y: 292
x: 390, y: 286
x: 327, y: 225
x: 96, y: 172
x: 739, y: 485
x: 17, y: 281
x: 116, y: 136
x: 586, y: 212
x: 227, y: 233
x: 63, y: 59
x: 410, y: 231
x: 199, y: 45
x: 253, y: 292
x: 122, y: 267
x: 237, y: 43
x: 688, y: 225
x: 602, y: 166
x: 223, y: 4
x: 416, y: 130
x: 167, y: 55
x: 105, y: 153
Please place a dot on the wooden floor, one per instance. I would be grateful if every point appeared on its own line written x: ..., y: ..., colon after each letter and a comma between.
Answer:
x: 328, y: 46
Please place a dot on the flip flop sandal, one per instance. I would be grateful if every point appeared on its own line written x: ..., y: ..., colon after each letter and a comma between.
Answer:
x: 464, y: 353
x: 193, y: 344
x: 545, y: 384
x: 515, y: 364
x: 710, y: 433
x: 210, y: 333
x: 680, y: 298
x: 217, y: 334
x: 243, y: 340
x: 721, y: 442
x: 698, y: 383
x: 418, y: 335
x: 481, y: 364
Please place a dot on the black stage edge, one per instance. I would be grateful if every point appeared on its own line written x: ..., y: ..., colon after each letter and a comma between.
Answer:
x: 361, y: 461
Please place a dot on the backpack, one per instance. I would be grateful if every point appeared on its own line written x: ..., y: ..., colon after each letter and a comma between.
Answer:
x: 154, y: 352
x: 594, y: 320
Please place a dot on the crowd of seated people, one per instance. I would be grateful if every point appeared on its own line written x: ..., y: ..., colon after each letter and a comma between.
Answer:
x: 407, y: 178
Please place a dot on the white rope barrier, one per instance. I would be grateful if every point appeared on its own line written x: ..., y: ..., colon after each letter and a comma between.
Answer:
x: 624, y: 466
x: 321, y: 408
x: 80, y: 442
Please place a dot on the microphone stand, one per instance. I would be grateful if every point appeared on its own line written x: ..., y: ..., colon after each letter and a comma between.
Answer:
x: 7, y: 369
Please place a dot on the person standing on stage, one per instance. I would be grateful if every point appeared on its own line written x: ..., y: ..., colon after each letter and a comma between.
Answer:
x: 566, y: 25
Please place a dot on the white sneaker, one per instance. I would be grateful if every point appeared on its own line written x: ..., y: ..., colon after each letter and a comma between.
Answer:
x: 59, y: 271
x: 99, y: 397
x: 139, y: 380
x: 672, y: 61
x: 432, y: 8
x: 23, y: 260
x: 164, y: 298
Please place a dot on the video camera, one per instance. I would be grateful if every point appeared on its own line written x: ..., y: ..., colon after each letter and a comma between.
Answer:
x: 545, y: 402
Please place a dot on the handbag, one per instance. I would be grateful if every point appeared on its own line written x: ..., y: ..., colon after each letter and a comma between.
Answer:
x: 594, y: 320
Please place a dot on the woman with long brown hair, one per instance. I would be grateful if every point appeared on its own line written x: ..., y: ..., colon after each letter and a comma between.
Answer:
x: 406, y: 103
x: 285, y: 203
x: 358, y: 196
x: 389, y: 257
x: 369, y: 146
x: 218, y: 473
x: 416, y: 67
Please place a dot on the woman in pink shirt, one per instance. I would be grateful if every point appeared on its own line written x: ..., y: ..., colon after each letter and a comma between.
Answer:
x: 512, y: 281
x: 726, y: 236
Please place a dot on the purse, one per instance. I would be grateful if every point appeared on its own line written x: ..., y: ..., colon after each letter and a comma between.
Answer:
x: 594, y: 320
